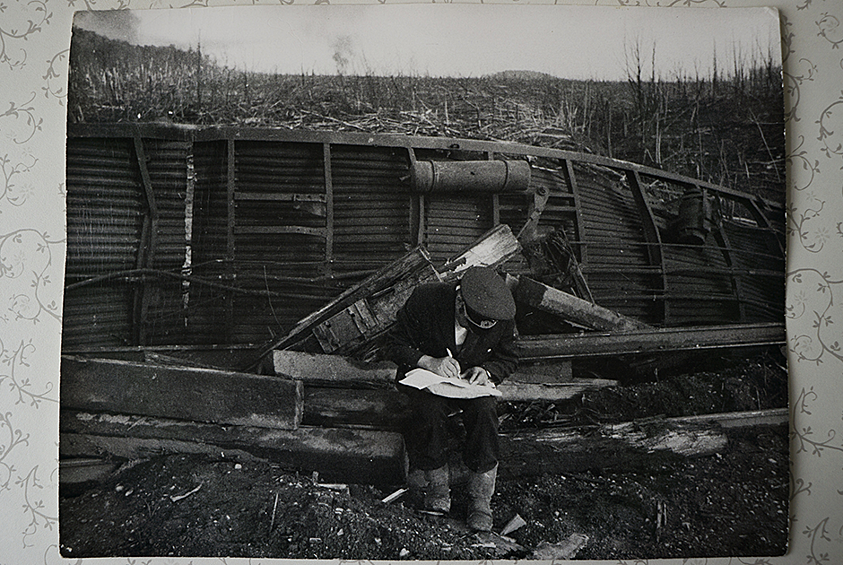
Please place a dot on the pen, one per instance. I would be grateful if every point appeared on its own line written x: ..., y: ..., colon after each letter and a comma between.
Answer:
x: 451, y: 355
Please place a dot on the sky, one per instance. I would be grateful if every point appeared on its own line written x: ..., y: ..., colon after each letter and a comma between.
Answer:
x: 464, y: 40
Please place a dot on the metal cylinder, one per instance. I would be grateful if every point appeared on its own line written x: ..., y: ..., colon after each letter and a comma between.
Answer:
x: 470, y: 176
x: 694, y: 220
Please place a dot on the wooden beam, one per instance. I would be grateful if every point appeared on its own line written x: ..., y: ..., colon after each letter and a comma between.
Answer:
x: 574, y: 346
x: 571, y: 177
x: 514, y: 391
x: 202, y: 395
x: 388, y: 409
x: 341, y: 455
x: 722, y: 239
x: 336, y: 370
x: 148, y: 241
x: 83, y: 470
x: 273, y: 230
x: 572, y: 308
x: 748, y: 419
x: 281, y: 197
x: 316, y: 369
x: 379, y: 409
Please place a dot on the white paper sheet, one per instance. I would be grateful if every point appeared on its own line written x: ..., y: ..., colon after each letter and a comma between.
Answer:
x: 443, y: 386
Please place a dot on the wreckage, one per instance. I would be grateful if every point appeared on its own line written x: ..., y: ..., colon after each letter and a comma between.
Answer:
x: 228, y: 289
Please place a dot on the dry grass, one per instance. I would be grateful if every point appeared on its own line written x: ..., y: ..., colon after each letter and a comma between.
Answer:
x: 726, y: 129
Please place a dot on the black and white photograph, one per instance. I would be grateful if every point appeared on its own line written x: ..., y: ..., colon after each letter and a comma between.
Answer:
x: 425, y: 282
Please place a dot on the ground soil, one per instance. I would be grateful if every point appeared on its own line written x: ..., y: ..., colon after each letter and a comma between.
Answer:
x: 734, y: 503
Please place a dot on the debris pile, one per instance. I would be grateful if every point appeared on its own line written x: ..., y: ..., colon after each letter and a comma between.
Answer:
x: 326, y: 404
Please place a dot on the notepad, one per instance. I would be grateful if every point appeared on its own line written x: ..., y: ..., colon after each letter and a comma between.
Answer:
x: 423, y: 379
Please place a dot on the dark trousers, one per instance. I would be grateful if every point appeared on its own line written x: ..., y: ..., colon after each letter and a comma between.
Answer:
x: 426, y: 434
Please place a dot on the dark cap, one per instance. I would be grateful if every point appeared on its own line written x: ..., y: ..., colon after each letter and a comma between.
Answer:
x: 486, y: 294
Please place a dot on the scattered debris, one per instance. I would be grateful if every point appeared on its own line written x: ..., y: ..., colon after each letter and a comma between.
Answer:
x: 333, y: 486
x: 564, y: 550
x: 274, y: 508
x: 516, y: 522
x: 395, y: 495
x: 178, y: 497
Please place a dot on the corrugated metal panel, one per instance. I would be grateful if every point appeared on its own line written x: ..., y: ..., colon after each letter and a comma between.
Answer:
x: 618, y: 269
x: 206, y: 310
x: 371, y: 207
x: 105, y: 207
x: 303, y: 230
x: 763, y: 288
x: 453, y: 222
x: 265, y: 259
x: 105, y: 211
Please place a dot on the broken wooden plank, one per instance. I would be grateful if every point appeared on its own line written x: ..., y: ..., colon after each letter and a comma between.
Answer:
x: 156, y: 358
x: 364, y: 313
x: 224, y: 358
x: 573, y: 309
x: 566, y: 450
x: 748, y: 419
x: 340, y: 455
x: 552, y: 371
x: 197, y: 394
x: 370, y: 316
x: 492, y: 249
x: 572, y: 346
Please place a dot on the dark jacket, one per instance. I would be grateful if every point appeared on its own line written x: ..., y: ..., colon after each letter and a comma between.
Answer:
x: 425, y: 326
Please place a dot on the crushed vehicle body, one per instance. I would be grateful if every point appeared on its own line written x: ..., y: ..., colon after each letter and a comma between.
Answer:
x: 188, y: 236
x: 200, y: 256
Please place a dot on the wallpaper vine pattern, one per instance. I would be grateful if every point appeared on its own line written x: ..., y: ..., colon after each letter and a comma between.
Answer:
x: 34, y: 39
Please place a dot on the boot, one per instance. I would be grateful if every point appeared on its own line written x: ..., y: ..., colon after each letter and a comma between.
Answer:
x: 416, y: 483
x: 437, y: 497
x: 481, y: 487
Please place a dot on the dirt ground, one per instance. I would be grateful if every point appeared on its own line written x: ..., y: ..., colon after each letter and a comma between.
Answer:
x: 734, y: 503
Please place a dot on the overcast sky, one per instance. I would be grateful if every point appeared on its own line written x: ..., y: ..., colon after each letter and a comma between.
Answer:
x: 457, y: 39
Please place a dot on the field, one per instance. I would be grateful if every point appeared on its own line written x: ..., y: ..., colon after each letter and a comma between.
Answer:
x: 727, y: 128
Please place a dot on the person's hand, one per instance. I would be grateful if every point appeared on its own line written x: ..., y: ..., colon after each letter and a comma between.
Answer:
x: 443, y: 366
x: 477, y: 376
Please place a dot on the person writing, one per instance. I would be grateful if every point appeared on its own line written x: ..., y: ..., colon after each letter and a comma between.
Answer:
x: 456, y: 330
